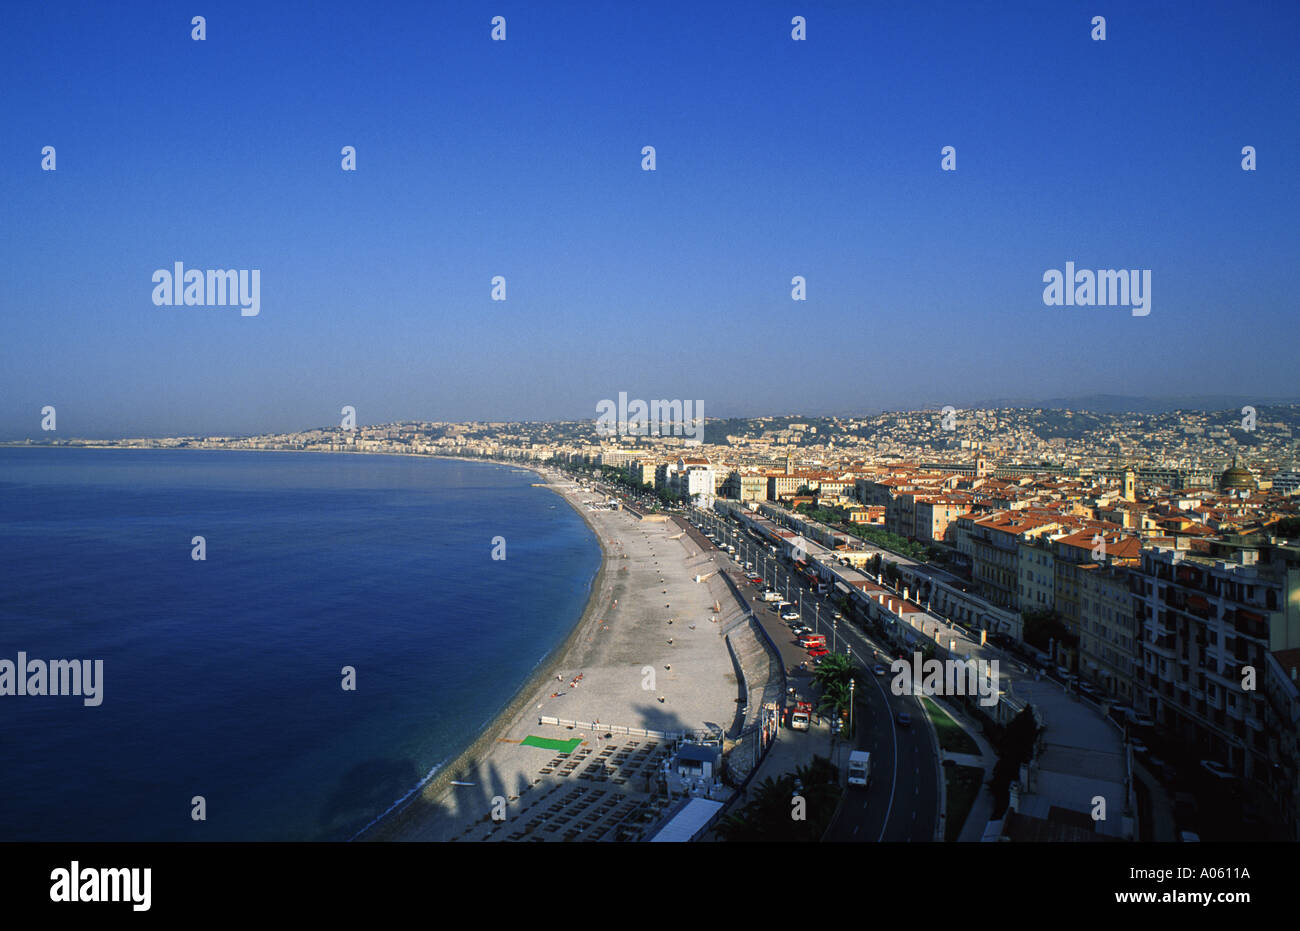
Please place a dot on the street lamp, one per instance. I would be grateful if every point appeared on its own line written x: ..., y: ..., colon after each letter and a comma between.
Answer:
x: 835, y: 629
x: 852, y: 685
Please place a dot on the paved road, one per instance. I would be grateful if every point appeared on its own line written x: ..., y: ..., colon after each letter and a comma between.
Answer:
x: 902, y: 802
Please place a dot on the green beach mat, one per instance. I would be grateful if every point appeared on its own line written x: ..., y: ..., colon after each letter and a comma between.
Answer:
x: 547, y: 743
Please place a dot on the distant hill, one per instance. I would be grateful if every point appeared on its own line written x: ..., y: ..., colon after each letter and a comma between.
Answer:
x: 1127, y: 404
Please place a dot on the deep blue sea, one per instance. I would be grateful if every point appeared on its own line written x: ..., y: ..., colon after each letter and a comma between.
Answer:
x: 222, y: 678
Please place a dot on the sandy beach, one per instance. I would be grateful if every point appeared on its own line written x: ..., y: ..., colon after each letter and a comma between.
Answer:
x: 646, y: 618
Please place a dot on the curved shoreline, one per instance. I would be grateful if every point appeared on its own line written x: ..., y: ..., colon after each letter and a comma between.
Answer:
x: 388, y: 826
x: 436, y: 784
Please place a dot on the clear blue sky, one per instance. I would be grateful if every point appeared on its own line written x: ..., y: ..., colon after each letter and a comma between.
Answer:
x: 775, y: 158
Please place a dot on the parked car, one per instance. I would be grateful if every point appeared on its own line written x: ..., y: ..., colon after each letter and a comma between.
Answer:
x: 790, y: 616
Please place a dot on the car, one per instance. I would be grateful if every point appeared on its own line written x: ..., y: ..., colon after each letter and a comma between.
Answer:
x: 879, y: 669
x: 1217, y: 769
x: 803, y: 629
x: 904, y: 719
x: 818, y: 651
x: 790, y: 616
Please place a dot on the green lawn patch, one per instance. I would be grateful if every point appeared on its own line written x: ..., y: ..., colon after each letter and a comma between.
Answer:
x: 951, y: 737
x: 549, y: 743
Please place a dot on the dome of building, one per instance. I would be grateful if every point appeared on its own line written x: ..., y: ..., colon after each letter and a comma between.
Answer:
x: 1236, y: 477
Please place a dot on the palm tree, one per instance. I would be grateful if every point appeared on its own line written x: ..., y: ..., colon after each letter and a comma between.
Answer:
x: 834, y: 668
x: 766, y: 817
x: 835, y: 698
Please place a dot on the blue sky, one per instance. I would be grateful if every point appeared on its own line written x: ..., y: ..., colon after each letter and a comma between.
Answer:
x: 522, y: 158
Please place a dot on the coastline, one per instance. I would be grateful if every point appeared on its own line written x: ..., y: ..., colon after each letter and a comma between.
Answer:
x: 390, y: 825
x: 620, y: 636
x: 647, y: 652
x: 438, y: 781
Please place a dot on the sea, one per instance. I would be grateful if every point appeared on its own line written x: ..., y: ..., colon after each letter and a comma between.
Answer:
x: 223, y: 678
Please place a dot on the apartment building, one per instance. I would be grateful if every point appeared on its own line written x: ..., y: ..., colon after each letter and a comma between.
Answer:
x: 1209, y: 617
x: 1282, y: 725
x: 934, y: 514
x: 642, y: 471
x: 744, y: 486
x: 693, y: 479
x: 1036, y: 568
x: 995, y: 552
x: 1109, y: 635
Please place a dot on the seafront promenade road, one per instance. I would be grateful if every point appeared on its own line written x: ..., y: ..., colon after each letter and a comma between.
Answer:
x: 903, y: 800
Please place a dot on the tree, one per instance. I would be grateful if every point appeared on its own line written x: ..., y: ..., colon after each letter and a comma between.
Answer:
x: 835, y: 667
x: 835, y: 698
x: 1015, y: 748
x: 767, y: 816
x: 1044, y: 625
